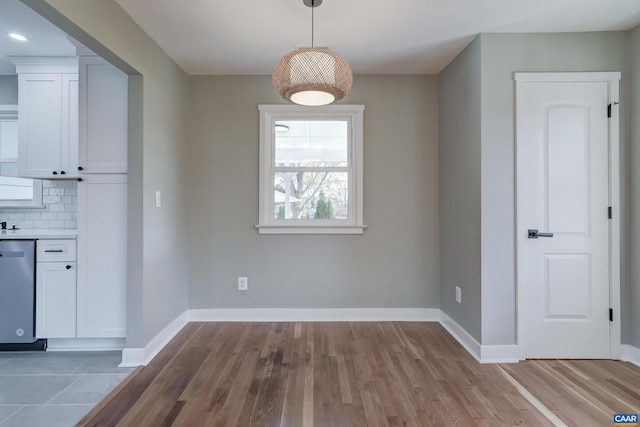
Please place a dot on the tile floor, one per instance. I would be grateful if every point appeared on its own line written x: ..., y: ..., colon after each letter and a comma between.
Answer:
x: 55, y: 389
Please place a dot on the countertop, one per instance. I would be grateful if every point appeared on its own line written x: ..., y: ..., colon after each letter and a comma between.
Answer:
x: 39, y: 233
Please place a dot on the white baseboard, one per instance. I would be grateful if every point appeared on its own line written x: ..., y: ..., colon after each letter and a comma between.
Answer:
x: 629, y: 353
x: 462, y: 336
x: 85, y: 344
x: 313, y: 314
x: 133, y: 357
x: 482, y: 353
x: 500, y: 354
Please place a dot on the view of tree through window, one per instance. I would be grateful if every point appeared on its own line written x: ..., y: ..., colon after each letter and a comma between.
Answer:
x: 311, y: 179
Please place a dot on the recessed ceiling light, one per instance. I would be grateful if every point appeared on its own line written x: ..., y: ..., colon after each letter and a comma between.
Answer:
x: 18, y: 37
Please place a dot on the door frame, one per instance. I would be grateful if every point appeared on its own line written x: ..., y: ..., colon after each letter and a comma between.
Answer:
x: 613, y: 81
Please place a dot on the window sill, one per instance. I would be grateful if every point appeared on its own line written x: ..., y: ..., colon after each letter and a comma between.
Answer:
x: 301, y: 229
x: 9, y: 205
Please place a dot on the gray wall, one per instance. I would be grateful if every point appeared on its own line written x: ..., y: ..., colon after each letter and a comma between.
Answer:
x: 459, y: 129
x: 157, y: 288
x: 8, y: 90
x: 393, y: 264
x: 633, y: 163
x: 502, y: 55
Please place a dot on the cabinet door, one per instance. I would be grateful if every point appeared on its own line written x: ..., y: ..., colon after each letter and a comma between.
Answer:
x: 39, y: 125
x: 70, y: 110
x: 55, y: 299
x: 102, y: 256
x: 103, y: 117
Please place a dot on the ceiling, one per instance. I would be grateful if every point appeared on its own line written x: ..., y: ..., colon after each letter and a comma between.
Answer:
x: 376, y: 37
x: 45, y: 39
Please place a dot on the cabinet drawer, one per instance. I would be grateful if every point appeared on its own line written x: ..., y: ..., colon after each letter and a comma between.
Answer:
x: 56, y: 250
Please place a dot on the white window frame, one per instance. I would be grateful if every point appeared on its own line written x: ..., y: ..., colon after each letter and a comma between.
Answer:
x: 10, y: 112
x: 267, y: 224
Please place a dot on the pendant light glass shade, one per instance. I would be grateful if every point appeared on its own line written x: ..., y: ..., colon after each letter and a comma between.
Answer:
x: 312, y: 77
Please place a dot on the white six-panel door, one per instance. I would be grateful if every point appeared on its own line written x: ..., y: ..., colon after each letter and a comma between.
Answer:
x: 563, y: 188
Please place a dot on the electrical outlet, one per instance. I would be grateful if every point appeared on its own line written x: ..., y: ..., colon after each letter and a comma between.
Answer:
x: 57, y: 194
x: 243, y: 283
x: 458, y: 295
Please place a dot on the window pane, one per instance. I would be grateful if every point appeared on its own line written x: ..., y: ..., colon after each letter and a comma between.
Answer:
x: 16, y: 188
x: 311, y: 195
x: 8, y: 139
x: 9, y: 169
x: 15, y: 192
x: 312, y: 143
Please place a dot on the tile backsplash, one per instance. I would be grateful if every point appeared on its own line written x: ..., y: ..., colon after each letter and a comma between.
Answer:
x: 62, y: 214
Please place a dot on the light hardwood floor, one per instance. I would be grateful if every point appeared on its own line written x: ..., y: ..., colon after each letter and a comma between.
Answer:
x: 357, y: 374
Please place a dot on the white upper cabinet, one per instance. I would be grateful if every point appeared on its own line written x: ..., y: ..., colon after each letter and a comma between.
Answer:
x: 103, y: 117
x: 47, y: 117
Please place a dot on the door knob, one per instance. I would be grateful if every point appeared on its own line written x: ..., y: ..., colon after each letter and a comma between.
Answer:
x: 533, y: 233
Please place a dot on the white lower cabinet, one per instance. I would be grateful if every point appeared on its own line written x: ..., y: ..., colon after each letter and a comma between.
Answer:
x: 102, y: 256
x: 56, y: 300
x: 56, y: 289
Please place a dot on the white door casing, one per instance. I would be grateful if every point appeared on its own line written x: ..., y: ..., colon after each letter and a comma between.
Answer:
x: 567, y: 166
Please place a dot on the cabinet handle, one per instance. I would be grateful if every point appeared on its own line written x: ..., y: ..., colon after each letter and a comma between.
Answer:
x: 58, y: 251
x: 79, y: 179
x: 62, y: 172
x: 68, y: 267
x: 80, y: 168
x: 55, y: 173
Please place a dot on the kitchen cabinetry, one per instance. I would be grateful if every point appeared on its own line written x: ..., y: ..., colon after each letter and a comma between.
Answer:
x: 103, y: 117
x: 102, y: 255
x: 47, y: 116
x: 56, y: 289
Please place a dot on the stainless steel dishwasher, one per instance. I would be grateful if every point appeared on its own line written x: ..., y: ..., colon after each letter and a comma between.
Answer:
x: 17, y: 291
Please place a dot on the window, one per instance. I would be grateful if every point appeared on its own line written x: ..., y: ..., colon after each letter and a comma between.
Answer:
x: 14, y: 192
x: 311, y: 169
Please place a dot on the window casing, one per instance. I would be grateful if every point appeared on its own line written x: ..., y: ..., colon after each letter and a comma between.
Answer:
x: 311, y: 174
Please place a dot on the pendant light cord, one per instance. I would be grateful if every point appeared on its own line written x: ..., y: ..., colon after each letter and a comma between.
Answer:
x: 313, y: 6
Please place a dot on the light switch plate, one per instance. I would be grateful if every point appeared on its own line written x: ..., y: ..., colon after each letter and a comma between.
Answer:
x: 57, y: 194
x: 158, y: 199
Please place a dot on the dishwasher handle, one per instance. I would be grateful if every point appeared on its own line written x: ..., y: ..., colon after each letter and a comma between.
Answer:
x: 14, y: 254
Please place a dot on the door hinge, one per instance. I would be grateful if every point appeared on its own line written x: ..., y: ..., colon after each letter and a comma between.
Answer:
x: 611, y: 315
x: 609, y: 108
x: 610, y: 212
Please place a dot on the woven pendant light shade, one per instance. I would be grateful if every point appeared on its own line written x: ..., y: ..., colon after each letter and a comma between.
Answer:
x: 312, y: 77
